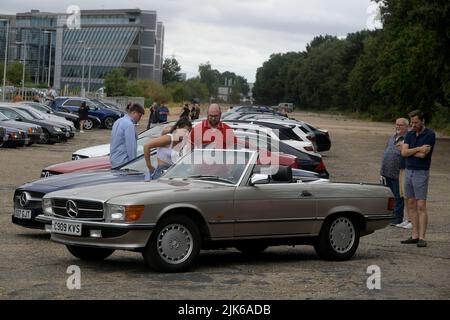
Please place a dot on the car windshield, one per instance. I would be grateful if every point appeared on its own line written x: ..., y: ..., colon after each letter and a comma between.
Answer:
x: 3, y: 117
x: 39, y: 107
x: 224, y: 166
x: 32, y: 113
x: 23, y: 114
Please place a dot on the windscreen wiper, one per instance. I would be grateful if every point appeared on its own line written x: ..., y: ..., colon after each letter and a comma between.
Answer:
x: 210, y: 177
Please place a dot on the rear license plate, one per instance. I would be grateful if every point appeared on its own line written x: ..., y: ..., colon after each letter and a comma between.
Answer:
x: 69, y: 228
x: 22, y: 214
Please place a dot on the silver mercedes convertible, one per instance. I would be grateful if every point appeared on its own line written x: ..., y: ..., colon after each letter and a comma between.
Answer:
x: 216, y: 199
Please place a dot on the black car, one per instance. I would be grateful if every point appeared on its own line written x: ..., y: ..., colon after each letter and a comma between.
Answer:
x: 15, y: 137
x: 51, y: 133
x: 34, y: 132
x: 3, y: 136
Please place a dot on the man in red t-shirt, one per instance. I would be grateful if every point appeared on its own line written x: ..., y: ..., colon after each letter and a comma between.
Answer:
x: 212, y: 132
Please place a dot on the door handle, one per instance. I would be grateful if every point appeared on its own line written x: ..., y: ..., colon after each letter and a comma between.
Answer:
x: 306, y: 193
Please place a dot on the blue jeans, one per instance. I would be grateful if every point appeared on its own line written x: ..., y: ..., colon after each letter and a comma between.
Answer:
x: 393, y: 184
x: 159, y: 171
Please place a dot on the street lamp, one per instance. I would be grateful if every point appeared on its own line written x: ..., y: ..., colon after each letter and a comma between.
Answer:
x: 89, y: 72
x: 23, y: 66
x: 49, y: 57
x: 6, y: 58
x: 82, y: 70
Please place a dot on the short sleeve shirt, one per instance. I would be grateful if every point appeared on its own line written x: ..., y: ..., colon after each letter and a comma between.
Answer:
x: 426, y: 137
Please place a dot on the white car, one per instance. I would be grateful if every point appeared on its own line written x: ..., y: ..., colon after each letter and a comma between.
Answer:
x: 276, y: 135
x: 103, y: 149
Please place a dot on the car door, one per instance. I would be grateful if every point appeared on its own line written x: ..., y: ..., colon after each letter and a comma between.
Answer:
x: 274, y: 209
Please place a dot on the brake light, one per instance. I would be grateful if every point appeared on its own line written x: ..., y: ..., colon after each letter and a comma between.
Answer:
x: 311, y: 138
x: 391, y: 204
x: 321, y: 167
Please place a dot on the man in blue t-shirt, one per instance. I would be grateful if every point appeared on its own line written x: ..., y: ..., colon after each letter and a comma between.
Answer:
x: 417, y: 149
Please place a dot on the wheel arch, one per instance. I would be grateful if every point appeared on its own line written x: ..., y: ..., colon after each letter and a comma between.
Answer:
x: 191, y: 212
x: 357, y: 216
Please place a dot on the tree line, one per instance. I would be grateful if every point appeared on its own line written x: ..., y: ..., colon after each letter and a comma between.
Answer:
x: 204, y: 87
x: 383, y: 73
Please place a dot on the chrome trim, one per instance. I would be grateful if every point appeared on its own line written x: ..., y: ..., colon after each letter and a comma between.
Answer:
x: 264, y: 220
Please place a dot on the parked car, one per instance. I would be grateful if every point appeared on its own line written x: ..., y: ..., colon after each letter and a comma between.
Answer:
x: 51, y: 132
x: 47, y: 115
x: 275, y: 133
x: 28, y: 197
x: 103, y: 149
x: 217, y: 205
x: 3, y: 136
x: 107, y: 104
x: 34, y: 132
x: 15, y: 137
x: 305, y: 161
x: 107, y: 116
x: 67, y: 129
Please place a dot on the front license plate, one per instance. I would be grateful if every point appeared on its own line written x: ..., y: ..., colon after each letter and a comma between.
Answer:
x: 22, y: 214
x: 70, y: 228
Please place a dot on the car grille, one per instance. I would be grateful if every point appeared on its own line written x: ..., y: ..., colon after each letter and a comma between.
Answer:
x: 87, y: 210
x: 34, y: 200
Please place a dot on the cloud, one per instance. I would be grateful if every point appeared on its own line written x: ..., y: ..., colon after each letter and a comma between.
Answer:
x: 233, y: 35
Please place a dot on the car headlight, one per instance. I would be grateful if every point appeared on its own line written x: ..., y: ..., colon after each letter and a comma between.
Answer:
x: 57, y: 129
x: 115, y: 212
x: 47, y: 207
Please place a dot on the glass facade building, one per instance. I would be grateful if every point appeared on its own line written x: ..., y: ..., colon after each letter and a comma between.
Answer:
x: 104, y: 40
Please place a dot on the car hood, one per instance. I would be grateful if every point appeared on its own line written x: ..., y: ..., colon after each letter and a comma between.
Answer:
x: 73, y: 180
x: 18, y: 125
x: 105, y: 192
x: 95, y: 163
x: 96, y: 151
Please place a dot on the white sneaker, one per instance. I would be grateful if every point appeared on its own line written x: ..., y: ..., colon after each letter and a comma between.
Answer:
x: 402, y: 224
x: 81, y: 131
x: 408, y: 226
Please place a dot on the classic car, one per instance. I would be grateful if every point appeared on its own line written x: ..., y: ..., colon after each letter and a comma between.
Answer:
x: 15, y: 137
x: 215, y: 199
x: 28, y: 197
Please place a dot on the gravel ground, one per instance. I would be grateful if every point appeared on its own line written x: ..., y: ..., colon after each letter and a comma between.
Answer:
x: 32, y: 267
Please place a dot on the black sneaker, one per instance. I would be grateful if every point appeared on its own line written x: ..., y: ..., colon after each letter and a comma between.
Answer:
x: 421, y: 243
x: 410, y: 240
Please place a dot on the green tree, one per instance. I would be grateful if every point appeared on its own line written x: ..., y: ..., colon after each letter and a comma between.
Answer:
x: 210, y: 77
x: 171, y: 69
x: 14, y: 73
x: 116, y: 84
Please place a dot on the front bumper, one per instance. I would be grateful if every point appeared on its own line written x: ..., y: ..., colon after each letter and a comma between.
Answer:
x: 123, y: 236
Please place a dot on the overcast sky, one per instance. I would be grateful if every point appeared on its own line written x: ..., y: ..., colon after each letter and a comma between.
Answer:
x: 233, y: 35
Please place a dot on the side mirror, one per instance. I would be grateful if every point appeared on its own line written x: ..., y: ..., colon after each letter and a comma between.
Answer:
x: 18, y: 119
x: 258, y: 178
x: 96, y: 108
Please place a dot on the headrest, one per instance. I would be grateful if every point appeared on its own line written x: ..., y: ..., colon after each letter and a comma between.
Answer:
x: 284, y: 174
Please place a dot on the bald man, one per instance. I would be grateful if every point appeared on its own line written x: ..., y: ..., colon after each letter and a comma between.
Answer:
x: 212, y: 132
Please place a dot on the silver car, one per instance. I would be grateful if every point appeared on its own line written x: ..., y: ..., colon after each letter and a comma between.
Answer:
x: 215, y: 199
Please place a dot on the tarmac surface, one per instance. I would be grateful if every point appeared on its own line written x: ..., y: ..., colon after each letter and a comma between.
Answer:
x: 33, y: 267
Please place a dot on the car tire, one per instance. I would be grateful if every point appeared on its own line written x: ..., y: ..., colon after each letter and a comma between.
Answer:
x: 88, y: 124
x: 89, y: 254
x: 251, y: 248
x: 174, y: 244
x: 338, y: 238
x: 108, y: 122
x: 45, y: 137
x: 29, y: 144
